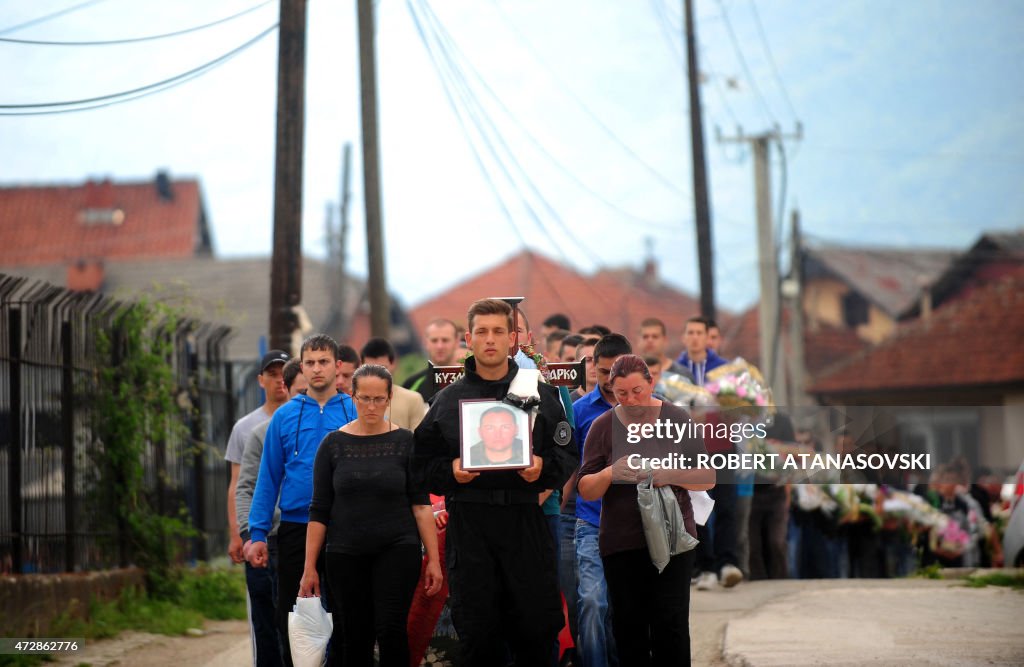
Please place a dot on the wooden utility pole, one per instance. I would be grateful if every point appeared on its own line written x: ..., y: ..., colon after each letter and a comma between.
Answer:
x: 346, y: 195
x: 702, y: 208
x: 379, y: 304
x: 769, y: 320
x: 797, y: 367
x: 286, y: 264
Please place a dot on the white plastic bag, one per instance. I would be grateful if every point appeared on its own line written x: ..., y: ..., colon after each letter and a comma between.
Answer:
x: 309, y: 630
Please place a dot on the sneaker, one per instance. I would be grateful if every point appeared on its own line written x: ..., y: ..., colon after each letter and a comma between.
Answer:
x: 707, y: 581
x: 731, y: 575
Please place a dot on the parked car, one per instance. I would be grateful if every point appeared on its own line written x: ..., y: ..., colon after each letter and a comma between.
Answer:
x: 1013, y: 539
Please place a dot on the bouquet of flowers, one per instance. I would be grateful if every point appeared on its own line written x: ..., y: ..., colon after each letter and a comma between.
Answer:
x: 740, y: 385
x: 949, y: 540
x: 680, y: 391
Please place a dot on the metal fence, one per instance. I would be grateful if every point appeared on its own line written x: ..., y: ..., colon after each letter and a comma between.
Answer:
x: 49, y: 519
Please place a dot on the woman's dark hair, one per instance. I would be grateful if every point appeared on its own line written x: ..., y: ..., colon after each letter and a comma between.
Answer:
x: 371, y: 370
x: 628, y: 364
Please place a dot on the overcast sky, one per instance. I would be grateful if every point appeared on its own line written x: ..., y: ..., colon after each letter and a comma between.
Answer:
x: 911, y: 110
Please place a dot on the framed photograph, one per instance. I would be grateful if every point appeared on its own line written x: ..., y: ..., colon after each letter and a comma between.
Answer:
x: 494, y: 436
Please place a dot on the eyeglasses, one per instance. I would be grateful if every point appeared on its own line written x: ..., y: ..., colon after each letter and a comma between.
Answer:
x: 371, y: 400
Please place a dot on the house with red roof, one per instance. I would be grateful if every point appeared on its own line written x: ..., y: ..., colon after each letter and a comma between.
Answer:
x: 960, y: 368
x: 81, y: 227
x: 618, y: 298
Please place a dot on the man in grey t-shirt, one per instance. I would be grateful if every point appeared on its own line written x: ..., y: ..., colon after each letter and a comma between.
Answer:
x: 275, y: 394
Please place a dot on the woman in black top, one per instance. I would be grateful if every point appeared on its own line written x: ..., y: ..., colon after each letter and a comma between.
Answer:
x: 374, y: 517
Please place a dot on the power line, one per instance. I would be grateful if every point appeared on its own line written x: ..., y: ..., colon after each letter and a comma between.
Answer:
x: 160, y: 84
x: 771, y: 61
x: 540, y: 145
x: 480, y: 118
x: 47, y: 17
x: 134, y: 40
x: 608, y: 131
x: 113, y: 98
x: 743, y: 63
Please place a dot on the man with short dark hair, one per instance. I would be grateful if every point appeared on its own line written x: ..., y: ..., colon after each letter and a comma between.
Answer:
x: 501, y: 562
x: 499, y: 438
x: 653, y: 341
x: 567, y: 349
x: 714, y: 335
x: 596, y: 644
x: 269, y: 379
x: 348, y: 360
x: 697, y: 357
x: 285, y: 476
x: 407, y: 406
x: 553, y: 344
x: 441, y: 341
x: 555, y: 321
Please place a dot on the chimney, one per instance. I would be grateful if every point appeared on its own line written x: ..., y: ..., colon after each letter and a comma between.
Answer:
x: 163, y: 186
x: 85, y: 275
x: 650, y: 275
x: 926, y: 307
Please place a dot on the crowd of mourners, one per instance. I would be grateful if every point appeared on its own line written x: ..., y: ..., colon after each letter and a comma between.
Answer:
x: 497, y: 506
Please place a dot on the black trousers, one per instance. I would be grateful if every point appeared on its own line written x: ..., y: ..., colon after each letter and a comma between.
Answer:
x: 291, y: 559
x: 718, y: 539
x: 374, y: 592
x: 769, y: 525
x: 651, y: 620
x: 503, y: 582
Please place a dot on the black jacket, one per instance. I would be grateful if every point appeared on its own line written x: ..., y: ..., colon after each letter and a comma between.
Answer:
x: 437, y: 437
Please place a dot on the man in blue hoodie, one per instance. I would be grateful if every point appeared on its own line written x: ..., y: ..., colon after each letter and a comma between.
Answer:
x: 698, y: 358
x: 286, y: 469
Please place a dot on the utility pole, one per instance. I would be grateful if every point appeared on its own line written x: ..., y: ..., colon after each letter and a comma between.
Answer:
x: 379, y: 303
x: 346, y: 195
x: 286, y: 263
x: 793, y: 291
x: 769, y: 320
x: 702, y: 209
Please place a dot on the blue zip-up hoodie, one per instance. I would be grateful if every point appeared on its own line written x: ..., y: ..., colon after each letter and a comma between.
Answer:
x: 700, y: 369
x: 286, y: 468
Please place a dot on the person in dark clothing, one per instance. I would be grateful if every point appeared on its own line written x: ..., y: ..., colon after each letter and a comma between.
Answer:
x: 373, y: 513
x: 501, y: 559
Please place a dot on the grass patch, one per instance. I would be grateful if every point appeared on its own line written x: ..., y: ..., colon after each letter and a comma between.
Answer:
x: 197, y: 594
x: 1014, y: 580
x: 933, y: 571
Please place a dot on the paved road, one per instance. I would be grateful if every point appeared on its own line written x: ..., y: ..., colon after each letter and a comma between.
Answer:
x: 883, y: 622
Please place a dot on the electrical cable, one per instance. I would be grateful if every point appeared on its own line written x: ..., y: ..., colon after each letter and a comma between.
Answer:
x: 134, y: 40
x: 442, y: 38
x: 607, y: 130
x: 771, y: 61
x: 539, y: 145
x: 743, y: 63
x: 47, y: 17
x: 127, y: 95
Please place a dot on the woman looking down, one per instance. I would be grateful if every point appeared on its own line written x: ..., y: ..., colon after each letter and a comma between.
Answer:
x: 651, y: 619
x: 373, y: 515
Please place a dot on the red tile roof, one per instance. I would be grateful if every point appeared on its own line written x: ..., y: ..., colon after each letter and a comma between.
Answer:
x: 618, y: 299
x: 969, y: 342
x: 823, y: 346
x: 100, y: 220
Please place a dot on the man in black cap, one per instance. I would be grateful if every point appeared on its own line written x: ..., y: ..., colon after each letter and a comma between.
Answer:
x: 275, y: 394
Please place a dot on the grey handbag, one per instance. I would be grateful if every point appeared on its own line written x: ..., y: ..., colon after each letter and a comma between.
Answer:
x: 664, y: 528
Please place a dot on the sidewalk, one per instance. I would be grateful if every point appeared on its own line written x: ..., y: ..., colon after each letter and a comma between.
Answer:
x: 857, y: 622
x: 846, y: 622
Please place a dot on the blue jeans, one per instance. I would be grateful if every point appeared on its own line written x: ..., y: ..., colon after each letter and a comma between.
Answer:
x: 261, y: 583
x: 568, y: 576
x: 596, y: 646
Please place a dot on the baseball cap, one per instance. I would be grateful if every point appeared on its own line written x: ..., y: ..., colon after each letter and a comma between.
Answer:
x: 273, y: 357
